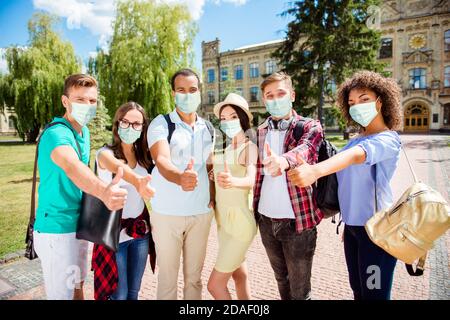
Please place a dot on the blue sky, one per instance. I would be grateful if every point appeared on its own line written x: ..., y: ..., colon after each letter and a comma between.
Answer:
x: 86, y: 23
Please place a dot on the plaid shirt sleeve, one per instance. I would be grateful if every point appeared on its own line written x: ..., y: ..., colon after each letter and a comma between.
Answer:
x: 308, y: 145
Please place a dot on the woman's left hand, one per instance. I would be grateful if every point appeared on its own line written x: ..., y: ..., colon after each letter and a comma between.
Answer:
x: 144, y: 188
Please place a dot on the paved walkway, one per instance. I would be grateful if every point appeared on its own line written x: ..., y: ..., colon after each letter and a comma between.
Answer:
x: 430, y: 156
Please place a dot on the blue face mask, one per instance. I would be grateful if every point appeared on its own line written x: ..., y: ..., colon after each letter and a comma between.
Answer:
x: 231, y: 128
x: 83, y: 113
x: 279, y: 107
x: 364, y: 113
x: 129, y: 135
x: 187, y: 102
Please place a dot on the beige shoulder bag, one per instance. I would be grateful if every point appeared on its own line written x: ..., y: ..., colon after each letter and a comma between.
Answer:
x: 408, y: 229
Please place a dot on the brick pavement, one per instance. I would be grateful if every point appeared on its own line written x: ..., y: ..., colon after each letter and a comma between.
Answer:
x: 431, y: 159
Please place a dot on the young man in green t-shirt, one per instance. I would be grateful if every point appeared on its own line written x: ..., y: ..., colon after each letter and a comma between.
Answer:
x: 64, y: 175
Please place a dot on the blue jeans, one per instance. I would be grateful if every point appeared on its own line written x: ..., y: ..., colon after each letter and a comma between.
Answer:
x: 370, y: 268
x: 131, y: 259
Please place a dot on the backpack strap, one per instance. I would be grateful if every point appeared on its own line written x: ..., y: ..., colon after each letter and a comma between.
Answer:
x: 170, y: 126
x: 210, y: 129
x: 298, y: 129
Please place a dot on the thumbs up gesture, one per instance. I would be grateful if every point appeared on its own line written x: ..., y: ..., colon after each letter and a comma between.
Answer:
x: 143, y: 187
x: 224, y: 178
x: 189, y: 178
x: 274, y: 164
x: 304, y: 175
x: 114, y: 197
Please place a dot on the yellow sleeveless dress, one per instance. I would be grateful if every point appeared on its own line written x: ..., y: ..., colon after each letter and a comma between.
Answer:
x: 236, y: 226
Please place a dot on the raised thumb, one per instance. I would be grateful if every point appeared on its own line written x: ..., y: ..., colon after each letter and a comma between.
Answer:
x: 118, y: 176
x: 190, y: 165
x: 225, y: 167
x: 148, y: 178
x: 267, y: 148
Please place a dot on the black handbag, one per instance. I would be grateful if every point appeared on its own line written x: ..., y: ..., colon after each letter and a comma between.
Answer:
x: 97, y: 223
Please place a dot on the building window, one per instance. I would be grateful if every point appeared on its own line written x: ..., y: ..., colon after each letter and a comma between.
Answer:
x: 211, y: 97
x: 435, y: 117
x: 224, y: 74
x: 447, y: 40
x: 331, y: 86
x: 254, y: 94
x: 271, y: 67
x: 254, y: 70
x: 447, y: 114
x: 417, y: 78
x: 11, y: 121
x: 447, y: 77
x: 386, y: 48
x: 240, y: 91
x: 211, y: 76
x: 239, y: 72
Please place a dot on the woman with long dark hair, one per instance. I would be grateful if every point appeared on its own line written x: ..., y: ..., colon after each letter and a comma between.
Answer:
x: 120, y: 279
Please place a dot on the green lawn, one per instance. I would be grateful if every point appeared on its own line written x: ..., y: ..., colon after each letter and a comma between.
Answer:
x: 16, y: 172
x: 337, y: 140
x: 16, y: 169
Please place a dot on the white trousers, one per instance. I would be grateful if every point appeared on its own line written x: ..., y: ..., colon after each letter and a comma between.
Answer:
x: 64, y: 262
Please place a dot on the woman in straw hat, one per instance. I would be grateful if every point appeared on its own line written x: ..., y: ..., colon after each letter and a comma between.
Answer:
x: 234, y: 176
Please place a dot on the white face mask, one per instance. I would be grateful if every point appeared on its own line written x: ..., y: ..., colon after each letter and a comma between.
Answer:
x: 188, y: 102
x: 364, y: 113
x: 279, y: 107
x: 231, y: 127
x: 83, y: 113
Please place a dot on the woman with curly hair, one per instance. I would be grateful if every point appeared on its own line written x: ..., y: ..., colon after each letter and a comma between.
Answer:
x: 364, y: 169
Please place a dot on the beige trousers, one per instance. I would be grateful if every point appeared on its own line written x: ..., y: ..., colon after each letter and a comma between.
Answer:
x: 173, y: 236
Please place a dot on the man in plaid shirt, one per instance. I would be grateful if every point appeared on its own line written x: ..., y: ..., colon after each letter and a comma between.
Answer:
x: 287, y: 215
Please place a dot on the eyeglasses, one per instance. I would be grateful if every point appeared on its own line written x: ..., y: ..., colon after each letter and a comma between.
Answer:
x: 125, y: 124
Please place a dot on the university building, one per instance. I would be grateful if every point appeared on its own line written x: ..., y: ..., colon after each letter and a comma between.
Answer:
x: 415, y: 45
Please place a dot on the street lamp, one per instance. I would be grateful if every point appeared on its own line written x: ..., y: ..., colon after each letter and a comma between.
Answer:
x: 321, y: 79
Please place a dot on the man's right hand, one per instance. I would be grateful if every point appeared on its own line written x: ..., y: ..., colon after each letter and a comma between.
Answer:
x: 189, y: 178
x: 114, y: 197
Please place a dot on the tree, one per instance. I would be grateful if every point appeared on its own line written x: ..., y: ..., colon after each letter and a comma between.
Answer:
x: 327, y: 33
x: 150, y: 42
x: 99, y: 126
x: 35, y: 79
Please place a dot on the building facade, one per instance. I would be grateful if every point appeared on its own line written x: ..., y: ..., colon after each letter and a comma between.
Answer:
x: 415, y: 45
x: 7, y: 120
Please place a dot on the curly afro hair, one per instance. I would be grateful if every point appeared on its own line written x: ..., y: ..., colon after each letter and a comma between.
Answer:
x: 386, y: 88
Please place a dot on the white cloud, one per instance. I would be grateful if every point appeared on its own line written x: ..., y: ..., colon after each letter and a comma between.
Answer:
x: 97, y: 15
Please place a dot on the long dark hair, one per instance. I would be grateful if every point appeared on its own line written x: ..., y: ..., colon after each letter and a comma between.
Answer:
x: 140, y: 145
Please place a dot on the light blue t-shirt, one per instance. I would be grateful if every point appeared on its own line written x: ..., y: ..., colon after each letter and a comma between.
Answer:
x: 186, y: 142
x: 357, y: 183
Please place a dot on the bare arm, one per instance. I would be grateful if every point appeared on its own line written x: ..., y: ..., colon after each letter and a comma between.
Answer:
x: 106, y: 160
x: 250, y: 155
x: 307, y: 174
x: 160, y: 152
x: 82, y: 176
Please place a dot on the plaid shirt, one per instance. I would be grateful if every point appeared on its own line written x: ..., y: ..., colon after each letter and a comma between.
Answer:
x: 106, y: 276
x: 307, y: 214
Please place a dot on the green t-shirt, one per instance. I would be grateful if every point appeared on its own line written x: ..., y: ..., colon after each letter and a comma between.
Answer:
x: 59, y: 199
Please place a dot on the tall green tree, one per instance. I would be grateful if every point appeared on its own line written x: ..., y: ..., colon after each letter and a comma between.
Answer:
x: 150, y: 42
x: 35, y: 79
x: 329, y: 40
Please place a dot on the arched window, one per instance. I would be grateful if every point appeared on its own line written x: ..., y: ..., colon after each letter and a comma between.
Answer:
x: 386, y: 48
x: 11, y: 121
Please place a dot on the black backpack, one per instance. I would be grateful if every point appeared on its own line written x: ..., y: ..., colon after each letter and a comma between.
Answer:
x: 171, y: 128
x: 325, y: 190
